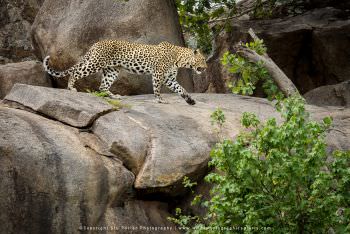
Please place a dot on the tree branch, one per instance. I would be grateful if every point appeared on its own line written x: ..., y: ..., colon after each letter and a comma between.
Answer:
x: 282, y: 81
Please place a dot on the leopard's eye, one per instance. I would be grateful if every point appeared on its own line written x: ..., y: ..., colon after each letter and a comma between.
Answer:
x: 200, y: 69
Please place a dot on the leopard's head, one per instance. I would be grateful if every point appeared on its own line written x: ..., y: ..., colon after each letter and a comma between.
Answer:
x: 193, y: 59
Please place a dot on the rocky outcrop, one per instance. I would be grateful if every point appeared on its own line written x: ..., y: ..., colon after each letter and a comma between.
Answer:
x: 310, y: 48
x: 65, y: 29
x: 59, y: 178
x: 51, y: 182
x: 16, y: 18
x: 29, y: 72
x: 330, y: 95
x: 73, y: 108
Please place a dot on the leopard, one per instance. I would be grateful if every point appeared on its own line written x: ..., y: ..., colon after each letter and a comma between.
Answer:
x: 162, y: 61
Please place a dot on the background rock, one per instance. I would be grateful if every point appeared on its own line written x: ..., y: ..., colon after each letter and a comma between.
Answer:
x: 330, y: 95
x: 340, y: 4
x: 337, y: 137
x: 310, y: 48
x: 29, y: 72
x: 16, y: 18
x: 65, y: 29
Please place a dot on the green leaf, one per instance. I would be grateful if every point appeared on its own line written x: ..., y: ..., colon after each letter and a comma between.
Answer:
x: 327, y: 121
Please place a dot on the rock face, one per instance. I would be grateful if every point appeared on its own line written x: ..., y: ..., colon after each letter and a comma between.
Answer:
x: 310, y: 48
x: 29, y: 72
x: 75, y: 109
x: 53, y: 183
x: 16, y: 18
x: 65, y: 29
x: 179, y: 138
x: 61, y: 179
x: 141, y: 217
x: 330, y: 95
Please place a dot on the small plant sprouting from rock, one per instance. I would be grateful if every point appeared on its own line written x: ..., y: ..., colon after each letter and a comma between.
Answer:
x: 185, y: 221
x: 98, y: 93
x: 218, y: 119
x: 187, y: 183
x: 104, y: 95
x: 249, y: 73
x: 276, y: 178
x: 115, y: 103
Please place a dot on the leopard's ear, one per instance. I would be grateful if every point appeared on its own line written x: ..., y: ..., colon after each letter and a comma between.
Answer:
x: 196, y: 51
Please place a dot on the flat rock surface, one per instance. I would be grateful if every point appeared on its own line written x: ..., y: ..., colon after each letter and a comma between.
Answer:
x: 73, y: 108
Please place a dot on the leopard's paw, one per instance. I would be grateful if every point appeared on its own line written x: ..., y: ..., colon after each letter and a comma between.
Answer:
x: 115, y: 96
x: 161, y: 101
x: 190, y: 101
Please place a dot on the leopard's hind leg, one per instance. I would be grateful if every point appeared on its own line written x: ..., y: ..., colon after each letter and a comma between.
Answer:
x: 81, y: 70
x: 110, y: 75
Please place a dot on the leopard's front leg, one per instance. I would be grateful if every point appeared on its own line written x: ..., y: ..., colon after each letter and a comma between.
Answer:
x: 174, y: 86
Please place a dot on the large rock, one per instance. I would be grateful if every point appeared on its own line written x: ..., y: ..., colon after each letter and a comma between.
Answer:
x: 330, y: 95
x: 65, y: 29
x: 338, y: 136
x: 180, y: 137
x: 310, y: 48
x: 159, y: 143
x: 60, y: 179
x: 51, y: 182
x: 125, y: 137
x: 16, y: 18
x: 29, y: 72
x: 73, y: 108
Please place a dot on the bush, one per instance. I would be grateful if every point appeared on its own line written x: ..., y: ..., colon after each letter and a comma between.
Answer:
x: 277, y: 178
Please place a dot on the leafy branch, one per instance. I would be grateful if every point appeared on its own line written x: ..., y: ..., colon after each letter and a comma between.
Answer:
x: 252, y: 64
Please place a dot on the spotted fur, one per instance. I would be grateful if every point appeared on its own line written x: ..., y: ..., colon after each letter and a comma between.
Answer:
x: 161, y: 61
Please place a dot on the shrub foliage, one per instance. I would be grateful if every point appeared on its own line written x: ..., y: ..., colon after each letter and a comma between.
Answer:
x: 248, y: 74
x: 276, y: 177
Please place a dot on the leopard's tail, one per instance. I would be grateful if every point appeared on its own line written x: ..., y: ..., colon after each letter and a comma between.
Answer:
x: 52, y: 72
